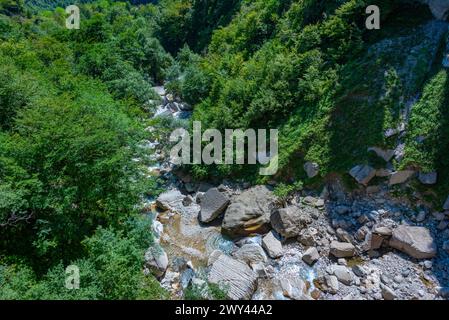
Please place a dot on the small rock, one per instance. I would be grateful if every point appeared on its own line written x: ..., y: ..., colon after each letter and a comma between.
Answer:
x: 387, y: 293
x: 312, y: 169
x: 439, y: 216
x: 400, y: 177
x: 443, y: 225
x: 421, y: 216
x: 446, y: 204
x: 359, y: 271
x: 289, y: 221
x: 331, y: 283
x: 251, y: 254
x: 342, y: 249
x: 272, y: 245
x: 363, y: 174
x: 308, y: 237
x: 156, y: 260
x: 293, y: 287
x: 428, y: 178
x: 343, y: 274
x: 311, y: 256
x: 383, y: 231
x: 428, y: 264
x: 342, y: 262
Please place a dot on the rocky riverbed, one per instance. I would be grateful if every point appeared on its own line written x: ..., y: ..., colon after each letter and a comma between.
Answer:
x: 330, y: 245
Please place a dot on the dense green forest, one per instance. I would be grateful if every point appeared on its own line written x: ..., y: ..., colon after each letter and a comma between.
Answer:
x: 74, y: 104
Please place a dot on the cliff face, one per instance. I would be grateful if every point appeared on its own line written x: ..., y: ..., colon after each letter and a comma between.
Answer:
x: 439, y: 8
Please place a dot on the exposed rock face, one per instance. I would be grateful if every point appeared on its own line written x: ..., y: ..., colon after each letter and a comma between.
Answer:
x: 400, y: 177
x: 156, y: 261
x: 251, y: 254
x: 249, y: 213
x: 238, y: 280
x: 213, y: 204
x: 363, y: 173
x: 289, y: 221
x: 342, y: 249
x: 415, y: 241
x: 272, y: 245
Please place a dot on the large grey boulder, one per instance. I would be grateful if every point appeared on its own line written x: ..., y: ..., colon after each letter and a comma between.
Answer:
x: 272, y: 245
x: 234, y: 277
x: 363, y: 174
x: 251, y: 254
x: 213, y: 203
x: 342, y: 249
x: 156, y: 261
x: 290, y: 221
x: 249, y: 213
x: 417, y: 242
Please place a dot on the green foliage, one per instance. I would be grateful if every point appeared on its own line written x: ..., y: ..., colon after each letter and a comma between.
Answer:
x: 71, y: 106
x: 111, y: 269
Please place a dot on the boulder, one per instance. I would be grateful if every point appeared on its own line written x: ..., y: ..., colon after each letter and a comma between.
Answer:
x: 331, y: 283
x: 415, y: 241
x: 342, y: 249
x: 312, y: 169
x: 343, y: 274
x: 249, y: 213
x: 235, y: 277
x: 311, y: 256
x: 251, y: 254
x: 308, y: 237
x: 387, y: 293
x: 169, y: 199
x: 289, y: 221
x: 384, y: 154
x: 363, y: 174
x: 213, y: 204
x: 272, y: 245
x: 156, y: 261
x: 293, y: 288
x: 400, y: 177
x: 373, y: 241
x: 428, y: 178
